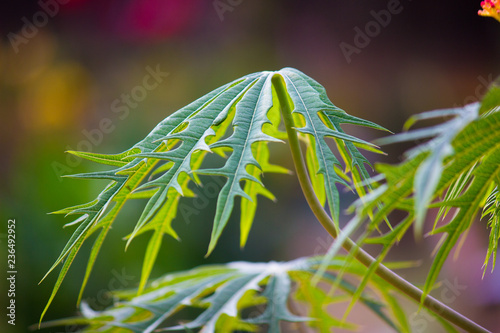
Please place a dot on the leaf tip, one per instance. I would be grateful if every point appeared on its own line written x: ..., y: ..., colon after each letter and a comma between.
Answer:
x: 211, y: 247
x: 45, y: 276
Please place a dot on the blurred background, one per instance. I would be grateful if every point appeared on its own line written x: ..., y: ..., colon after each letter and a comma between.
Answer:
x: 99, y: 75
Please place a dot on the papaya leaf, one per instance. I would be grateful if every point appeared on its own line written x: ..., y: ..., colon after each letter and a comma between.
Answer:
x: 456, y: 169
x: 491, y: 101
x: 429, y: 171
x: 492, y: 210
x: 311, y: 103
x: 236, y: 121
x: 235, y: 296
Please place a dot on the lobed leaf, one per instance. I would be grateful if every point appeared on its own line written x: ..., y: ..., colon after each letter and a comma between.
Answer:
x: 236, y: 121
x: 457, y: 170
x: 311, y: 103
x: 235, y: 296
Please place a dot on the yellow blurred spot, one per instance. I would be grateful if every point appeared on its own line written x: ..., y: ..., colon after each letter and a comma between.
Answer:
x: 56, y: 97
x: 25, y: 65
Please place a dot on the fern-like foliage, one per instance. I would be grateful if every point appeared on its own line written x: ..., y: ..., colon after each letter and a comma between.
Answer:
x: 236, y: 121
x: 457, y: 170
x: 240, y: 296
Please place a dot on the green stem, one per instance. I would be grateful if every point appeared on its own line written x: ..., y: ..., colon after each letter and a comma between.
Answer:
x: 366, y: 259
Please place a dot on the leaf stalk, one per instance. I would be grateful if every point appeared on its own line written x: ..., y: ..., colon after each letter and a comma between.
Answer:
x: 428, y: 302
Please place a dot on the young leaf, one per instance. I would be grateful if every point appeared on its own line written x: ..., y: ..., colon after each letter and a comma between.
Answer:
x: 161, y: 167
x: 226, y: 292
x: 492, y: 210
x: 429, y: 172
x: 491, y: 101
x: 310, y: 102
x: 250, y: 116
x: 458, y: 169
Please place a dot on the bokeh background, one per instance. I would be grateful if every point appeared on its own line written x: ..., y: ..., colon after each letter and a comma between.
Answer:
x: 63, y: 75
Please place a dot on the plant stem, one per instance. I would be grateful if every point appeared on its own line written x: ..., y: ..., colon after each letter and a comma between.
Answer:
x: 362, y: 256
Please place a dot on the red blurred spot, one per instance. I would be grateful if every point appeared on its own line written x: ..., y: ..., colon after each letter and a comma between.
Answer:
x: 153, y: 19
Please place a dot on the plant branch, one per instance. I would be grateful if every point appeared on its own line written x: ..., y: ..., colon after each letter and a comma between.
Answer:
x: 362, y: 256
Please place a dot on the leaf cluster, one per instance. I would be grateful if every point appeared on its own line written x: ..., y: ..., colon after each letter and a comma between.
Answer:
x: 456, y: 171
x: 241, y: 296
x: 237, y: 122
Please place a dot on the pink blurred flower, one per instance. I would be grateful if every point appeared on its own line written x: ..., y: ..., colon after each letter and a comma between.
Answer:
x: 138, y: 20
x: 490, y: 8
x: 154, y: 19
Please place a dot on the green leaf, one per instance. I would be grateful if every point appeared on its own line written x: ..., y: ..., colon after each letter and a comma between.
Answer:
x: 115, y: 160
x: 317, y: 299
x: 456, y: 170
x: 492, y: 210
x: 260, y: 151
x: 226, y: 293
x: 277, y: 292
x: 62, y: 274
x: 468, y: 204
x: 429, y: 172
x: 491, y: 101
x: 310, y: 101
x: 128, y: 178
x: 250, y: 116
x: 236, y: 121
